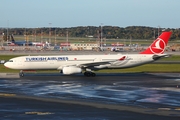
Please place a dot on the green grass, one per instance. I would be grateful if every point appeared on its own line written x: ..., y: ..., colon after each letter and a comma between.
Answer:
x: 148, y: 68
x: 7, y: 57
x: 171, y: 58
x: 6, y: 70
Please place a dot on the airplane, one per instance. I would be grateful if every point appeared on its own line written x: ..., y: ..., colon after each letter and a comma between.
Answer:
x: 18, y: 43
x: 46, y: 44
x: 87, y: 64
x: 38, y: 44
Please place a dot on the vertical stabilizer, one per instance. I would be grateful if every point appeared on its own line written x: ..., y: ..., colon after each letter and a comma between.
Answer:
x: 159, y: 45
x: 12, y: 39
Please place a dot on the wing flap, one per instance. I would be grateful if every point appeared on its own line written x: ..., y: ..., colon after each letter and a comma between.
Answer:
x: 86, y: 65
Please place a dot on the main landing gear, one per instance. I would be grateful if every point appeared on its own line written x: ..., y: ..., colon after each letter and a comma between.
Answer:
x: 21, y: 74
x: 89, y: 74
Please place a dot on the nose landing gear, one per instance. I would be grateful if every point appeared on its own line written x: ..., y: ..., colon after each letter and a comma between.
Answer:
x: 21, y: 74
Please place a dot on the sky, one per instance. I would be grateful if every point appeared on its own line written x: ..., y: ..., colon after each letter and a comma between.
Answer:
x: 73, y: 13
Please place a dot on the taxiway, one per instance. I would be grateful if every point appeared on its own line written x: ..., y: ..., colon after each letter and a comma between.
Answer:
x: 106, y: 96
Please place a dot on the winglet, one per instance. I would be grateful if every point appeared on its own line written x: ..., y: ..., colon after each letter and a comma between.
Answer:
x: 159, y: 45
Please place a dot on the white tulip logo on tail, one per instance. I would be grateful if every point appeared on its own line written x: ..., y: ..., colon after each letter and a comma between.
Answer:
x: 158, y: 46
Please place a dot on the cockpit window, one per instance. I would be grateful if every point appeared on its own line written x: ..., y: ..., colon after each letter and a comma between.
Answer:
x: 10, y: 61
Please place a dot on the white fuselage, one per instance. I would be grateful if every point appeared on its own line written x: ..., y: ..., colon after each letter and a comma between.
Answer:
x: 58, y: 62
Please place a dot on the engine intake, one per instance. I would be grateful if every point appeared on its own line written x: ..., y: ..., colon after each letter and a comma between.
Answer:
x: 71, y: 70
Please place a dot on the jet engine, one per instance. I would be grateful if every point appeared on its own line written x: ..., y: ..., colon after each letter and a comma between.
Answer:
x: 71, y: 70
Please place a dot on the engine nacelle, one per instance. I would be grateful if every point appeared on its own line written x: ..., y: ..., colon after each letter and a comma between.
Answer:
x: 71, y: 70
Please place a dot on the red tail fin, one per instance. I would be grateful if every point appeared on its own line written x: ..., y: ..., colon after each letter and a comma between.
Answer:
x: 159, y: 45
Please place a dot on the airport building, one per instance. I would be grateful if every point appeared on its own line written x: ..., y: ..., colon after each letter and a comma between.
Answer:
x: 84, y: 46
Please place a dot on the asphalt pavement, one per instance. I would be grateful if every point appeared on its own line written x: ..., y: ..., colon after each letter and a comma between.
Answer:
x: 130, y: 96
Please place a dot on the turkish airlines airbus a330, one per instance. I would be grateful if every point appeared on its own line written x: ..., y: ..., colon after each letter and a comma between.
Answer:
x: 73, y: 64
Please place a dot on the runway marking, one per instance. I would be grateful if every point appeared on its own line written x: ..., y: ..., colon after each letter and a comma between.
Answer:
x: 167, y: 89
x: 38, y: 113
x: 119, y: 107
x: 7, y: 95
x: 177, y: 109
x: 164, y: 108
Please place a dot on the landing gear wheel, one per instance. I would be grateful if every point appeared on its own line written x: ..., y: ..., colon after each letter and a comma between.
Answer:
x: 93, y: 74
x: 85, y: 73
x: 21, y: 74
x: 88, y: 74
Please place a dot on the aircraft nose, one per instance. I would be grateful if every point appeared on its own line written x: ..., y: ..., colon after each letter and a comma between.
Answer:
x: 6, y: 65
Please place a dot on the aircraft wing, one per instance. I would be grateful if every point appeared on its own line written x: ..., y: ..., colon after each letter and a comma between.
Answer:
x: 87, y: 65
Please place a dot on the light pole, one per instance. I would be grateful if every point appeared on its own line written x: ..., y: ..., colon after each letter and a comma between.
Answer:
x: 101, y: 38
x: 49, y: 32
x: 7, y: 31
x: 35, y: 34
x: 55, y: 38
x: 67, y: 38
x: 41, y: 35
x: 158, y: 30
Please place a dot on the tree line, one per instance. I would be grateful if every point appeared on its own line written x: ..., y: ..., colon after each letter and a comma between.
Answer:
x: 109, y: 32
